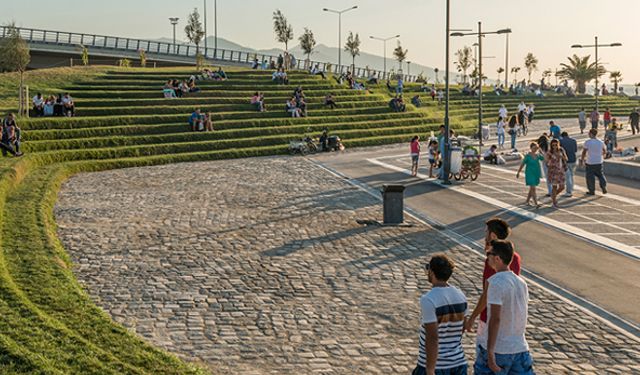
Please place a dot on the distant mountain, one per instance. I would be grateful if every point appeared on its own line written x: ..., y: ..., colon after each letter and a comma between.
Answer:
x: 323, y: 53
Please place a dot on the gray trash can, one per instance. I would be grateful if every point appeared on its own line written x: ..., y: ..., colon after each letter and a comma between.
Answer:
x: 393, y: 204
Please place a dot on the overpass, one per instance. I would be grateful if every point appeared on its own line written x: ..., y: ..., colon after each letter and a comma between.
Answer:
x: 50, y: 48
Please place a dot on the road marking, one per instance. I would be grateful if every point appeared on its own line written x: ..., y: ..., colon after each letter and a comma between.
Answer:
x: 611, y: 319
x: 619, y: 247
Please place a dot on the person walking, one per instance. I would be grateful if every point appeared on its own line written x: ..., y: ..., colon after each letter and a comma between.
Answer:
x: 595, y: 118
x: 570, y: 147
x: 443, y: 311
x: 415, y: 154
x: 554, y: 130
x: 543, y: 144
x: 495, y: 229
x: 532, y: 172
x: 582, y: 120
x: 500, y: 131
x: 592, y: 157
x: 502, y: 112
x: 513, y: 131
x: 634, y: 120
x: 607, y: 118
x: 556, y: 161
x: 503, y: 347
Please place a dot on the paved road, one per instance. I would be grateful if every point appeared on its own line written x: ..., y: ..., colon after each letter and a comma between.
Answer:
x: 258, y: 266
x: 590, y: 246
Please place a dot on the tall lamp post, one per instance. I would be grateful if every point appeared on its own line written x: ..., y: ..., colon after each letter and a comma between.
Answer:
x: 506, y: 64
x: 384, y: 43
x: 215, y: 28
x: 174, y: 22
x: 339, y: 13
x: 480, y: 34
x: 596, y: 45
x: 205, y: 28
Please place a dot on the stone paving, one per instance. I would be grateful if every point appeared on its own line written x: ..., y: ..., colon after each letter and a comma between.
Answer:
x: 258, y: 266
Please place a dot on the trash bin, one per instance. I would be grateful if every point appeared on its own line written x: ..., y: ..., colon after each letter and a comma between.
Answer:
x: 393, y: 204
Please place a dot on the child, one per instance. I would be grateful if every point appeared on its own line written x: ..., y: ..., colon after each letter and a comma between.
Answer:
x: 433, y: 156
x: 415, y: 154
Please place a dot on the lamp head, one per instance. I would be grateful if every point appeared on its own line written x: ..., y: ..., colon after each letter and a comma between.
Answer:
x: 354, y: 7
x: 457, y: 34
x: 616, y: 44
x: 504, y: 31
x: 325, y: 9
x: 576, y: 46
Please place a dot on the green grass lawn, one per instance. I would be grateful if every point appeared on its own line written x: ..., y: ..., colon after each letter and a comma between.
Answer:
x: 48, y: 324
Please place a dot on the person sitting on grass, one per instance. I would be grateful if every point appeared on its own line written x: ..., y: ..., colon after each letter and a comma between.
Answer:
x: 316, y: 71
x: 208, y: 122
x: 167, y: 90
x: 195, y: 120
x: 10, y: 141
x: 220, y: 75
x: 298, y: 93
x: 192, y: 87
x: 416, y: 101
x: 69, y: 105
x: 255, y: 64
x: 257, y: 100
x: 330, y: 101
x: 292, y: 107
x: 38, y: 105
x: 397, y: 104
x: 48, y: 106
x: 302, y: 106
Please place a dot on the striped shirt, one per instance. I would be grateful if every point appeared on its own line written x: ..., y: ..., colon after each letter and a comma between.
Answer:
x: 447, y: 306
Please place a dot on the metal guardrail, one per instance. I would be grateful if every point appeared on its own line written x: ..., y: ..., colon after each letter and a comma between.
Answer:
x: 157, y: 50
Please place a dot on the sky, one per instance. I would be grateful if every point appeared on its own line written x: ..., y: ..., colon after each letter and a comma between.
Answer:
x: 546, y: 28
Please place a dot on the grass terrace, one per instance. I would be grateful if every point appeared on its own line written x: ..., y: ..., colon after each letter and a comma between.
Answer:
x: 49, y: 325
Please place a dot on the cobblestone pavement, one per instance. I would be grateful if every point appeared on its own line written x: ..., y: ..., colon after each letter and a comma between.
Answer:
x: 258, y: 266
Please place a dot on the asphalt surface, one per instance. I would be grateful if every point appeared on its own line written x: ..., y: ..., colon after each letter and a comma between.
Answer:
x: 589, y: 247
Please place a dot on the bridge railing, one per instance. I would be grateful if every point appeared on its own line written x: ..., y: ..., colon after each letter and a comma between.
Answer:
x: 168, y: 50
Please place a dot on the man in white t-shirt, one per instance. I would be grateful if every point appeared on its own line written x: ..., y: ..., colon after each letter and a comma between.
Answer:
x: 38, y: 105
x: 502, y: 112
x: 502, y: 346
x: 443, y: 311
x: 593, y: 153
x: 522, y: 107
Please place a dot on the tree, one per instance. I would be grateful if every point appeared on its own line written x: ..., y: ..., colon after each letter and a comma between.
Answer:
x: 282, y: 28
x: 143, y: 58
x: 400, y: 54
x: 531, y: 64
x: 436, y: 71
x: 464, y: 61
x: 546, y: 74
x: 84, y: 54
x: 500, y: 71
x: 353, y: 47
x: 15, y: 57
x: 615, y: 77
x: 580, y: 71
x: 194, y: 30
x: 515, y: 71
x: 307, y: 42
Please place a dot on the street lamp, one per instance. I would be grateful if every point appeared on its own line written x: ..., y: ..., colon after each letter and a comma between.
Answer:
x: 205, y: 28
x: 596, y: 45
x: 384, y: 42
x: 339, y: 13
x: 481, y: 35
x: 506, y: 64
x: 215, y: 28
x: 174, y: 22
x: 408, y: 68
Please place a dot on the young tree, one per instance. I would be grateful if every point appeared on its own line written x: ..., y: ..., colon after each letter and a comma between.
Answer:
x: 546, y: 74
x: 580, y: 71
x: 307, y: 43
x: 14, y: 57
x: 194, y: 30
x: 616, y: 78
x: 515, y: 71
x: 84, y: 54
x: 143, y: 58
x: 531, y: 64
x: 464, y: 61
x: 282, y: 28
x: 353, y: 47
x: 400, y: 54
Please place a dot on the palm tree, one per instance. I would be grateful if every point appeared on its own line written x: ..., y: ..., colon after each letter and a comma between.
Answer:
x: 615, y: 77
x: 464, y: 61
x: 531, y: 64
x: 436, y: 71
x: 580, y: 71
x: 515, y: 71
x: 500, y: 71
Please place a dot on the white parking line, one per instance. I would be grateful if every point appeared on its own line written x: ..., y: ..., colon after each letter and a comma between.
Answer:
x: 572, y: 230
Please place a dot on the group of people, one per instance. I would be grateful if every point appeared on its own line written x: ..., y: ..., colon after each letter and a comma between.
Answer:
x: 515, y: 124
x: 60, y: 105
x: 556, y: 155
x: 177, y: 89
x: 297, y: 106
x: 200, y: 122
x: 397, y: 104
x: 11, y: 134
x: 280, y: 77
x: 502, y: 309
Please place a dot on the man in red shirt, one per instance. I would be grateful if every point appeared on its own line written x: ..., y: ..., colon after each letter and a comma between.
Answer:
x: 496, y: 229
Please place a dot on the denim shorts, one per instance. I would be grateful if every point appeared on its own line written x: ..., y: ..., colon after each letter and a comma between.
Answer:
x: 460, y: 370
x: 511, y: 364
x: 414, y: 158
